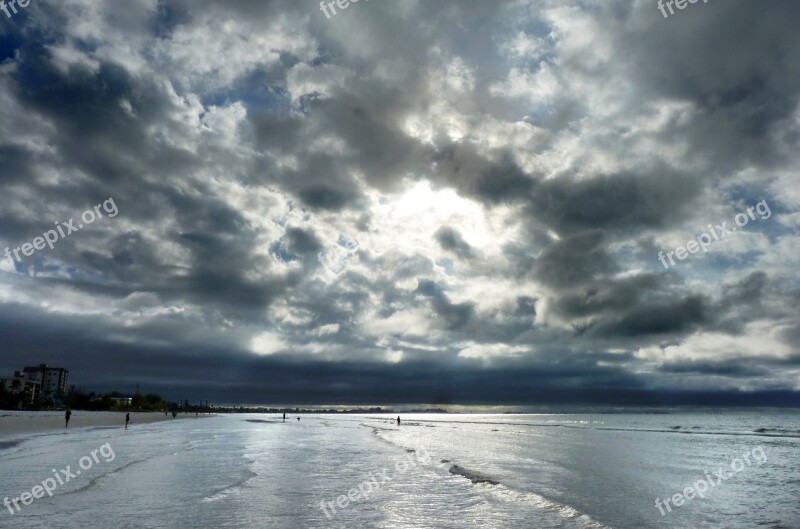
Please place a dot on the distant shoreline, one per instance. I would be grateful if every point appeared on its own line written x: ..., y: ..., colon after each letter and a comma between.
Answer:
x: 21, y: 423
x: 361, y: 411
x: 481, y: 410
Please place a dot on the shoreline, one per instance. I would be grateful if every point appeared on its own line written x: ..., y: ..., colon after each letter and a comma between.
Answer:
x: 15, y: 424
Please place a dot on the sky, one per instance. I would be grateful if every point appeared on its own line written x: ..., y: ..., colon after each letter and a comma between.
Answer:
x: 441, y: 202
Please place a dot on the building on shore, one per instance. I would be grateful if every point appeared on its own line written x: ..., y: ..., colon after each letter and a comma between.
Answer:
x: 52, y: 381
x: 122, y: 402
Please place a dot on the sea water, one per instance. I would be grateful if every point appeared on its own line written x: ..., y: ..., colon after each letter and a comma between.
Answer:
x: 431, y: 471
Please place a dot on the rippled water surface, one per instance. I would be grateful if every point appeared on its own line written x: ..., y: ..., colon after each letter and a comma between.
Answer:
x: 433, y: 471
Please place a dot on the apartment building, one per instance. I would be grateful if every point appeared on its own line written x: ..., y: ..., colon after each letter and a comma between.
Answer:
x: 52, y: 381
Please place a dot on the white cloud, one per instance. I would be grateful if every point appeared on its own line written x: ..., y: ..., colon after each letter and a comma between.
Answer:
x: 267, y: 343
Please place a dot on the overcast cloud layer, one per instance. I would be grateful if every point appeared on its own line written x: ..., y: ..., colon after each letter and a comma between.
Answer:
x: 408, y: 202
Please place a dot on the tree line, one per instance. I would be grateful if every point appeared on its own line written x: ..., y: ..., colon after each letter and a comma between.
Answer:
x: 12, y: 398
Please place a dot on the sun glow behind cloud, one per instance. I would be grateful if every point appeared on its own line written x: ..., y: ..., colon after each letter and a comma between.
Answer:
x: 306, y: 194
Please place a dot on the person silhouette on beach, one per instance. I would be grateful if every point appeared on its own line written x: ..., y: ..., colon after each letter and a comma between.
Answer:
x: 398, y: 420
x: 127, y: 420
x: 66, y: 418
x: 284, y: 417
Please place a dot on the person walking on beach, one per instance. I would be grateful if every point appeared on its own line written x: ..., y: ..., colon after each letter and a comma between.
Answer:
x: 398, y: 420
x: 66, y: 418
x: 127, y: 420
x: 284, y: 417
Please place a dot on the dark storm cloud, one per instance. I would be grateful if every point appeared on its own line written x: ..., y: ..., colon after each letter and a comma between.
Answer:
x: 710, y: 59
x: 365, y: 121
x: 749, y: 291
x: 620, y: 202
x: 17, y: 164
x: 211, y: 284
x: 605, y: 296
x: 297, y: 245
x: 437, y: 202
x: 574, y: 260
x: 451, y: 240
x: 94, y: 127
x: 660, y: 318
x: 454, y: 315
x: 491, y: 180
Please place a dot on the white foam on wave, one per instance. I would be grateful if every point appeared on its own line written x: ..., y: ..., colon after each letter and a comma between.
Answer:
x: 231, y: 489
x: 493, y: 488
x: 504, y: 493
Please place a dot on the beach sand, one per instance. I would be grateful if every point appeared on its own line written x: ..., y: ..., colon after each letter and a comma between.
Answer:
x: 22, y: 423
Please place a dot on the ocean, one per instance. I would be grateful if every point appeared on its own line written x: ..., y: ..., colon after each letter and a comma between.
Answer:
x: 432, y: 471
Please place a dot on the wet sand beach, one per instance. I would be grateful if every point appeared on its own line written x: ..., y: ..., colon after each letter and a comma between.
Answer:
x: 21, y: 423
